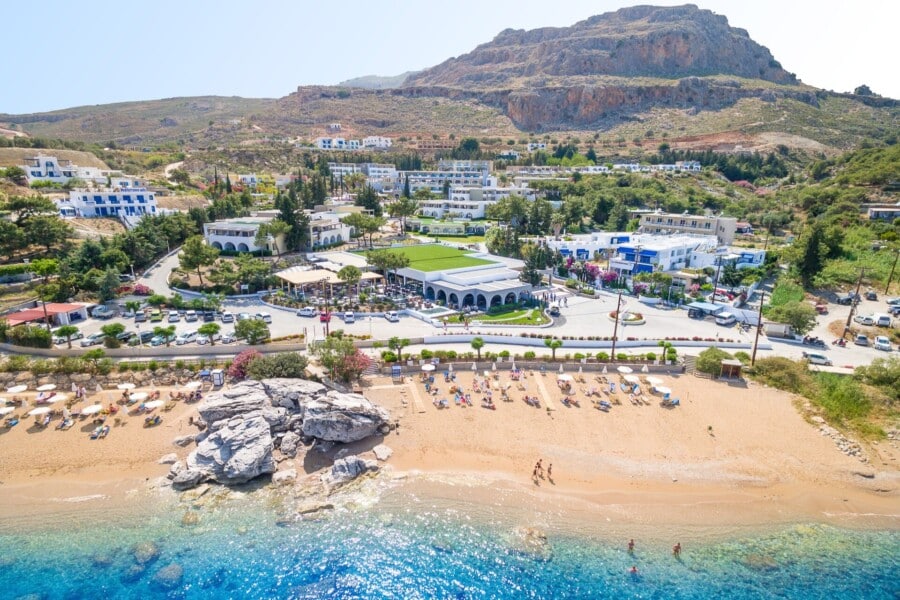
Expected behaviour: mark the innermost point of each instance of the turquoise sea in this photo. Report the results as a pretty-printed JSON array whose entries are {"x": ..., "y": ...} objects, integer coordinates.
[{"x": 408, "y": 547}]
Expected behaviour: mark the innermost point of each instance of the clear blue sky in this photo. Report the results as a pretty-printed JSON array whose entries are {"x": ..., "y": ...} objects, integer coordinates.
[{"x": 62, "y": 54}]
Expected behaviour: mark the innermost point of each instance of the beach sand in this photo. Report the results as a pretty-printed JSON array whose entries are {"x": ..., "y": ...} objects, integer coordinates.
[{"x": 729, "y": 455}]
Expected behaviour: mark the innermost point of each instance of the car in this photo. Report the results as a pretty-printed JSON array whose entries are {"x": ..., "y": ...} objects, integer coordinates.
[
  {"x": 392, "y": 316},
  {"x": 883, "y": 343},
  {"x": 725, "y": 319},
  {"x": 694, "y": 313},
  {"x": 156, "y": 315},
  {"x": 895, "y": 310},
  {"x": 861, "y": 340},
  {"x": 719, "y": 298},
  {"x": 882, "y": 320},
  {"x": 816, "y": 358},
  {"x": 174, "y": 317},
  {"x": 324, "y": 317},
  {"x": 205, "y": 339},
  {"x": 554, "y": 309},
  {"x": 307, "y": 311},
  {"x": 349, "y": 317},
  {"x": 140, "y": 317},
  {"x": 848, "y": 299},
  {"x": 264, "y": 317},
  {"x": 893, "y": 301},
  {"x": 185, "y": 338},
  {"x": 158, "y": 340},
  {"x": 190, "y": 316},
  {"x": 125, "y": 336},
  {"x": 208, "y": 316},
  {"x": 864, "y": 319},
  {"x": 92, "y": 340},
  {"x": 61, "y": 339},
  {"x": 227, "y": 317},
  {"x": 724, "y": 292},
  {"x": 871, "y": 295},
  {"x": 244, "y": 316},
  {"x": 229, "y": 338},
  {"x": 103, "y": 312},
  {"x": 143, "y": 337}
]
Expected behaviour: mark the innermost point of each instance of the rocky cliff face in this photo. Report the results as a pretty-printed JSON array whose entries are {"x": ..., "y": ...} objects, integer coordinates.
[{"x": 641, "y": 41}]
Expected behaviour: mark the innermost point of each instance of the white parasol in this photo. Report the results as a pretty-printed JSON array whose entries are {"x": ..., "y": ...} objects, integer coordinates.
[
  {"x": 663, "y": 390},
  {"x": 632, "y": 379},
  {"x": 494, "y": 367},
  {"x": 40, "y": 410},
  {"x": 92, "y": 409},
  {"x": 645, "y": 369},
  {"x": 47, "y": 387},
  {"x": 624, "y": 370},
  {"x": 605, "y": 371},
  {"x": 564, "y": 377},
  {"x": 154, "y": 404},
  {"x": 474, "y": 367},
  {"x": 74, "y": 387},
  {"x": 653, "y": 380},
  {"x": 55, "y": 398},
  {"x": 6, "y": 410},
  {"x": 450, "y": 368},
  {"x": 193, "y": 385},
  {"x": 99, "y": 388},
  {"x": 17, "y": 389},
  {"x": 580, "y": 370},
  {"x": 140, "y": 396},
  {"x": 428, "y": 367},
  {"x": 513, "y": 367},
  {"x": 561, "y": 370},
  {"x": 126, "y": 386}
]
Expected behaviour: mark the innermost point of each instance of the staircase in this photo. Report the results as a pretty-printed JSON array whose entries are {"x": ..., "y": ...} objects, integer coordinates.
[
  {"x": 690, "y": 364},
  {"x": 372, "y": 369}
]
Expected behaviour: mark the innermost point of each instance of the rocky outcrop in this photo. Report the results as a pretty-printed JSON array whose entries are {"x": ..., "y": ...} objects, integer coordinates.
[
  {"x": 347, "y": 469},
  {"x": 245, "y": 420}
]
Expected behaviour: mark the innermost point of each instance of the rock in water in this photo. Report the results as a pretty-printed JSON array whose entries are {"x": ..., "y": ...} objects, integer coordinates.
[
  {"x": 186, "y": 479},
  {"x": 345, "y": 418},
  {"x": 348, "y": 469},
  {"x": 169, "y": 577},
  {"x": 235, "y": 453},
  {"x": 145, "y": 552},
  {"x": 190, "y": 519},
  {"x": 382, "y": 452}
]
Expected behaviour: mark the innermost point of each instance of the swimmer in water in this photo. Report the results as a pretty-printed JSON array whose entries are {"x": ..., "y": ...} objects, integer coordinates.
[{"x": 631, "y": 547}]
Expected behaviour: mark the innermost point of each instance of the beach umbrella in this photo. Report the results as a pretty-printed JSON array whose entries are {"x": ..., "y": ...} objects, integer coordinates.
[
  {"x": 474, "y": 367},
  {"x": 154, "y": 404},
  {"x": 192, "y": 385},
  {"x": 580, "y": 370},
  {"x": 140, "y": 396},
  {"x": 631, "y": 379},
  {"x": 645, "y": 369},
  {"x": 428, "y": 367},
  {"x": 47, "y": 387},
  {"x": 74, "y": 387},
  {"x": 99, "y": 388},
  {"x": 17, "y": 389},
  {"x": 125, "y": 386},
  {"x": 561, "y": 369},
  {"x": 5, "y": 410},
  {"x": 564, "y": 377},
  {"x": 450, "y": 368},
  {"x": 92, "y": 409},
  {"x": 663, "y": 390},
  {"x": 653, "y": 380},
  {"x": 56, "y": 398},
  {"x": 513, "y": 367},
  {"x": 40, "y": 410},
  {"x": 624, "y": 370},
  {"x": 494, "y": 367},
  {"x": 605, "y": 371}
]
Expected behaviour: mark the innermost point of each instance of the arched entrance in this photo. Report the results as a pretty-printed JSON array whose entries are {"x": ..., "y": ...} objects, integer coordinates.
[
  {"x": 510, "y": 298},
  {"x": 242, "y": 247},
  {"x": 468, "y": 300},
  {"x": 217, "y": 245},
  {"x": 496, "y": 300},
  {"x": 481, "y": 302},
  {"x": 442, "y": 296},
  {"x": 429, "y": 293},
  {"x": 454, "y": 300},
  {"x": 229, "y": 247}
]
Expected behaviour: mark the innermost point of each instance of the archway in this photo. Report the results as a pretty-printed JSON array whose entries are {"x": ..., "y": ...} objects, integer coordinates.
[
  {"x": 481, "y": 301},
  {"x": 229, "y": 247},
  {"x": 453, "y": 301},
  {"x": 429, "y": 293},
  {"x": 442, "y": 296},
  {"x": 468, "y": 300},
  {"x": 242, "y": 247},
  {"x": 496, "y": 300},
  {"x": 510, "y": 298},
  {"x": 217, "y": 245}
]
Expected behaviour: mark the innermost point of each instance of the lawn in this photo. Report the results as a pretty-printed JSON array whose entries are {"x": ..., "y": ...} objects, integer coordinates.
[
  {"x": 785, "y": 292},
  {"x": 433, "y": 257},
  {"x": 459, "y": 239}
]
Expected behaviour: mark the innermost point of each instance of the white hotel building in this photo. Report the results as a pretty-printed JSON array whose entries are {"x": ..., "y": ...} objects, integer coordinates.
[
  {"x": 127, "y": 199},
  {"x": 52, "y": 169}
]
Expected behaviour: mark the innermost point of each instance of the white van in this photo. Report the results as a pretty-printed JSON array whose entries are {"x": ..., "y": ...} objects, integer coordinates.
[
  {"x": 392, "y": 316},
  {"x": 815, "y": 358},
  {"x": 348, "y": 317},
  {"x": 725, "y": 318},
  {"x": 882, "y": 320}
]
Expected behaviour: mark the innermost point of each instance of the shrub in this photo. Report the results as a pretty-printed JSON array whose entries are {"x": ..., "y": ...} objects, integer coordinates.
[
  {"x": 29, "y": 335},
  {"x": 283, "y": 364},
  {"x": 603, "y": 356},
  {"x": 841, "y": 397},
  {"x": 16, "y": 362},
  {"x": 783, "y": 373},
  {"x": 710, "y": 360},
  {"x": 388, "y": 356},
  {"x": 651, "y": 356},
  {"x": 153, "y": 365},
  {"x": 238, "y": 368},
  {"x": 742, "y": 356},
  {"x": 179, "y": 364},
  {"x": 503, "y": 354},
  {"x": 105, "y": 366},
  {"x": 41, "y": 366},
  {"x": 621, "y": 356},
  {"x": 451, "y": 354},
  {"x": 124, "y": 367},
  {"x": 68, "y": 365},
  {"x": 427, "y": 354},
  {"x": 579, "y": 356},
  {"x": 529, "y": 355}
]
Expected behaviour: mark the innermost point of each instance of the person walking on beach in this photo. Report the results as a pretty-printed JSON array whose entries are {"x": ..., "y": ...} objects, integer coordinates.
[
  {"x": 550, "y": 472},
  {"x": 539, "y": 468},
  {"x": 631, "y": 546},
  {"x": 676, "y": 549}
]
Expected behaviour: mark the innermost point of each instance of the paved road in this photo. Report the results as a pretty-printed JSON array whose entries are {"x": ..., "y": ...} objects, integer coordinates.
[{"x": 581, "y": 317}]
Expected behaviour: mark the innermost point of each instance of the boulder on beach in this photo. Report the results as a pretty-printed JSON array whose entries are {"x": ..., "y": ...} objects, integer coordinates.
[
  {"x": 347, "y": 469},
  {"x": 344, "y": 418},
  {"x": 237, "y": 452},
  {"x": 289, "y": 443}
]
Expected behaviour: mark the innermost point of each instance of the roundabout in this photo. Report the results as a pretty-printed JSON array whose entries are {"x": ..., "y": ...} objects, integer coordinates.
[{"x": 626, "y": 318}]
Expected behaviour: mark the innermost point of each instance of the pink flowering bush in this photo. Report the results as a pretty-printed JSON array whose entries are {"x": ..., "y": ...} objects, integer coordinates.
[{"x": 238, "y": 368}]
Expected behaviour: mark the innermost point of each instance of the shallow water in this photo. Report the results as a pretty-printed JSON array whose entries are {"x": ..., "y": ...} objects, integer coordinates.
[{"x": 407, "y": 547}]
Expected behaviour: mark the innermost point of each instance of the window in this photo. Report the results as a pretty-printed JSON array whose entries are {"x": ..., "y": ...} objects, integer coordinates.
[
  {"x": 98, "y": 199},
  {"x": 140, "y": 198},
  {"x": 126, "y": 199}
]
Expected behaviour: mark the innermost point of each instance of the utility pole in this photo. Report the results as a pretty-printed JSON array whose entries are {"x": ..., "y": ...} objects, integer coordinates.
[
  {"x": 891, "y": 276},
  {"x": 616, "y": 326},
  {"x": 758, "y": 329},
  {"x": 853, "y": 302}
]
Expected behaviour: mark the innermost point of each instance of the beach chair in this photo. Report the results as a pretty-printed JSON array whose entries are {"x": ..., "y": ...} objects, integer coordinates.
[
  {"x": 671, "y": 402},
  {"x": 96, "y": 432},
  {"x": 456, "y": 400},
  {"x": 604, "y": 405}
]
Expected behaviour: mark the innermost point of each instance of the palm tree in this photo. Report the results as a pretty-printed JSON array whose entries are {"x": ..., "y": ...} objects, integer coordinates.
[
  {"x": 133, "y": 306},
  {"x": 166, "y": 333},
  {"x": 553, "y": 344},
  {"x": 477, "y": 345},
  {"x": 67, "y": 331}
]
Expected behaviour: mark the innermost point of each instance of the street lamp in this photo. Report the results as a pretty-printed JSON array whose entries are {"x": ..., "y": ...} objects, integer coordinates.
[{"x": 616, "y": 326}]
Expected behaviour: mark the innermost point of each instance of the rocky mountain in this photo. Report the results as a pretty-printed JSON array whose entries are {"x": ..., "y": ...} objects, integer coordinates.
[
  {"x": 378, "y": 82},
  {"x": 641, "y": 41}
]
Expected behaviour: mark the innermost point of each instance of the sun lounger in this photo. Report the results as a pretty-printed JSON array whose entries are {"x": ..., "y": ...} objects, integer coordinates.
[
  {"x": 456, "y": 400},
  {"x": 96, "y": 432},
  {"x": 671, "y": 402},
  {"x": 12, "y": 421}
]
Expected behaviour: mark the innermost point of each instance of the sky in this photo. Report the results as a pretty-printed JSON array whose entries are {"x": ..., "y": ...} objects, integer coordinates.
[{"x": 60, "y": 54}]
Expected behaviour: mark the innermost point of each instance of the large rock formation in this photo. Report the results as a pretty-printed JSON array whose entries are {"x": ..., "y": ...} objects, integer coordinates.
[{"x": 244, "y": 422}]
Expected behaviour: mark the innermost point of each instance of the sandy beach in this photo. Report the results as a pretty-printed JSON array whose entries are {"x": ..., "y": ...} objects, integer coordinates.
[{"x": 727, "y": 455}]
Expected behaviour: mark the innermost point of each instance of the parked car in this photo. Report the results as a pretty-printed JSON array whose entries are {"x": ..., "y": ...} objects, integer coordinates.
[
  {"x": 229, "y": 338},
  {"x": 725, "y": 319},
  {"x": 204, "y": 339},
  {"x": 244, "y": 316},
  {"x": 861, "y": 340},
  {"x": 324, "y": 317},
  {"x": 883, "y": 343},
  {"x": 125, "y": 336},
  {"x": 185, "y": 338},
  {"x": 190, "y": 316},
  {"x": 719, "y": 298},
  {"x": 864, "y": 319},
  {"x": 143, "y": 337},
  {"x": 156, "y": 316},
  {"x": 815, "y": 358},
  {"x": 264, "y": 317},
  {"x": 349, "y": 317},
  {"x": 209, "y": 316},
  {"x": 895, "y": 310},
  {"x": 61, "y": 339},
  {"x": 871, "y": 295},
  {"x": 92, "y": 340},
  {"x": 227, "y": 317},
  {"x": 140, "y": 317},
  {"x": 392, "y": 316},
  {"x": 882, "y": 320},
  {"x": 307, "y": 311},
  {"x": 158, "y": 340},
  {"x": 893, "y": 301},
  {"x": 174, "y": 317},
  {"x": 848, "y": 299},
  {"x": 103, "y": 312}
]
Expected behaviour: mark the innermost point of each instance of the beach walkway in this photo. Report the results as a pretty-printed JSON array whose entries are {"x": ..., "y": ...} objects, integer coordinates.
[
  {"x": 545, "y": 397},
  {"x": 417, "y": 400}
]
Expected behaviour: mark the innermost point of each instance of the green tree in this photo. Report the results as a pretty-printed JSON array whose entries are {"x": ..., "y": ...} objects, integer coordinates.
[
  {"x": 67, "y": 331},
  {"x": 133, "y": 306},
  {"x": 350, "y": 275},
  {"x": 275, "y": 228},
  {"x": 107, "y": 285},
  {"x": 283, "y": 364},
  {"x": 809, "y": 253},
  {"x": 368, "y": 199},
  {"x": 710, "y": 361},
  {"x": 477, "y": 344},
  {"x": 12, "y": 238},
  {"x": 165, "y": 332},
  {"x": 110, "y": 331},
  {"x": 17, "y": 175},
  {"x": 47, "y": 231},
  {"x": 799, "y": 315},
  {"x": 26, "y": 208},
  {"x": 255, "y": 331},
  {"x": 397, "y": 344},
  {"x": 402, "y": 209},
  {"x": 182, "y": 177},
  {"x": 196, "y": 254},
  {"x": 553, "y": 344},
  {"x": 618, "y": 218},
  {"x": 333, "y": 353},
  {"x": 210, "y": 329}
]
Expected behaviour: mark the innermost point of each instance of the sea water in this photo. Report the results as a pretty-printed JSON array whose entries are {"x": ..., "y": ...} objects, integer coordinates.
[{"x": 404, "y": 547}]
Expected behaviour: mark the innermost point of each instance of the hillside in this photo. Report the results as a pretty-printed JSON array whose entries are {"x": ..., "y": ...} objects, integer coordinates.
[
  {"x": 13, "y": 157},
  {"x": 378, "y": 82}
]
